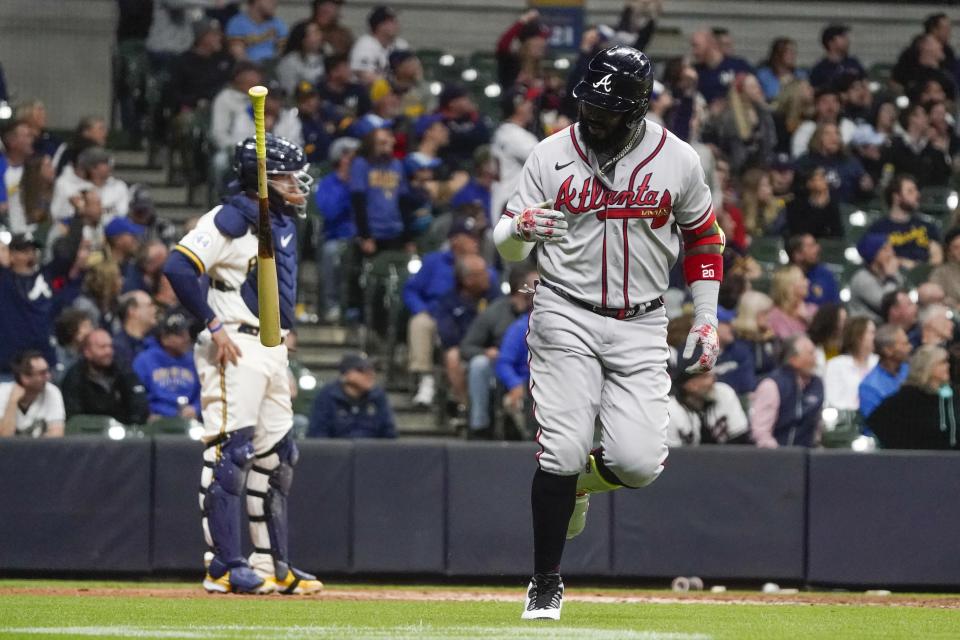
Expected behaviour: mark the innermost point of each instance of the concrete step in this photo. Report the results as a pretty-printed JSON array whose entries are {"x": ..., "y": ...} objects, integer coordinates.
[
  {"x": 324, "y": 335},
  {"x": 167, "y": 195},
  {"x": 179, "y": 213},
  {"x": 123, "y": 158},
  {"x": 142, "y": 175}
]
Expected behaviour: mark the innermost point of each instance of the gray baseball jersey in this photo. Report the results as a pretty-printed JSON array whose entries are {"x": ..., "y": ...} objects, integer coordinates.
[{"x": 624, "y": 232}]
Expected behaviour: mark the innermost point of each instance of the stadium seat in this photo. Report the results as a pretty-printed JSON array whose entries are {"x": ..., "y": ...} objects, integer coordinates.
[
  {"x": 766, "y": 251},
  {"x": 938, "y": 201},
  {"x": 846, "y": 429},
  {"x": 96, "y": 425},
  {"x": 833, "y": 250},
  {"x": 172, "y": 426}
]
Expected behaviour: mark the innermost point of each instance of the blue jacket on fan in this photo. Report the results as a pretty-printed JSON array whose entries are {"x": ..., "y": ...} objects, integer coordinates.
[
  {"x": 337, "y": 415},
  {"x": 799, "y": 415},
  {"x": 513, "y": 364},
  {"x": 167, "y": 379}
]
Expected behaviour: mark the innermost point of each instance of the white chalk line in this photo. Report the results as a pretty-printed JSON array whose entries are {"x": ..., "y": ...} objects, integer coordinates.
[{"x": 534, "y": 630}]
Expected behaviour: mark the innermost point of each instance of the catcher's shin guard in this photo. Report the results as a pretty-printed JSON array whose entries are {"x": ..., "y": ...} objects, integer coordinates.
[
  {"x": 226, "y": 462},
  {"x": 268, "y": 486}
]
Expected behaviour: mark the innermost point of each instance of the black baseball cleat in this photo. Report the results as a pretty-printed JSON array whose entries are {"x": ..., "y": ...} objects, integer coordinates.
[{"x": 544, "y": 597}]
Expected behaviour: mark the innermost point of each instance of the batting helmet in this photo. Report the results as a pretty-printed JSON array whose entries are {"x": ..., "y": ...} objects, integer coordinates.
[
  {"x": 618, "y": 79},
  {"x": 283, "y": 158}
]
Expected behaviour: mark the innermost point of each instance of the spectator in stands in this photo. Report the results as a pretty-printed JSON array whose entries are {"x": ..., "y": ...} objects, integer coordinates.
[
  {"x": 454, "y": 312},
  {"x": 31, "y": 405},
  {"x": 914, "y": 153},
  {"x": 753, "y": 332},
  {"x": 844, "y": 373},
  {"x": 406, "y": 79},
  {"x": 943, "y": 133},
  {"x": 782, "y": 176},
  {"x": 922, "y": 413},
  {"x": 432, "y": 137},
  {"x": 878, "y": 276},
  {"x": 302, "y": 60},
  {"x": 856, "y": 101},
  {"x": 520, "y": 51},
  {"x": 908, "y": 67},
  {"x": 343, "y": 99},
  {"x": 142, "y": 211},
  {"x": 332, "y": 197},
  {"x": 893, "y": 349},
  {"x": 26, "y": 296},
  {"x": 97, "y": 385},
  {"x": 928, "y": 67},
  {"x": 936, "y": 325},
  {"x": 847, "y": 178},
  {"x": 197, "y": 75},
  {"x": 70, "y": 330},
  {"x": 793, "y": 108},
  {"x": 826, "y": 108},
  {"x": 384, "y": 110},
  {"x": 715, "y": 71},
  {"x": 780, "y": 68},
  {"x": 124, "y": 239},
  {"x": 898, "y": 308},
  {"x": 705, "y": 411},
  {"x": 837, "y": 59},
  {"x": 478, "y": 191},
  {"x": 171, "y": 30},
  {"x": 813, "y": 209},
  {"x": 257, "y": 34},
  {"x": 353, "y": 406},
  {"x": 91, "y": 131},
  {"x": 513, "y": 367},
  {"x": 826, "y": 333},
  {"x": 735, "y": 366},
  {"x": 468, "y": 129},
  {"x": 17, "y": 139},
  {"x": 147, "y": 270},
  {"x": 480, "y": 347},
  {"x": 757, "y": 204},
  {"x": 744, "y": 131},
  {"x": 785, "y": 408},
  {"x": 376, "y": 183},
  {"x": 512, "y": 144},
  {"x": 168, "y": 373},
  {"x": 102, "y": 285},
  {"x": 947, "y": 275},
  {"x": 868, "y": 146},
  {"x": 790, "y": 314},
  {"x": 914, "y": 240},
  {"x": 803, "y": 250},
  {"x": 337, "y": 39},
  {"x": 314, "y": 128},
  {"x": 137, "y": 313},
  {"x": 94, "y": 171},
  {"x": 369, "y": 57},
  {"x": 422, "y": 294},
  {"x": 230, "y": 119},
  {"x": 36, "y": 189},
  {"x": 34, "y": 114}
]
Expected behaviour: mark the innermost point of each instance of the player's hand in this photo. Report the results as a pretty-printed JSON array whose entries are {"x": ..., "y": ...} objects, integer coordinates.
[
  {"x": 703, "y": 335},
  {"x": 227, "y": 349},
  {"x": 540, "y": 223}
]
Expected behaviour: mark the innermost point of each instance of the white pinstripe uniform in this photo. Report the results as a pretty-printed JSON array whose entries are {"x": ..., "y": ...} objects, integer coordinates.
[
  {"x": 255, "y": 392},
  {"x": 624, "y": 237}
]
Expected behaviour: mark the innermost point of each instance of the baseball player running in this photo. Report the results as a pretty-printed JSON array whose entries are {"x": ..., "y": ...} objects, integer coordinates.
[
  {"x": 607, "y": 203},
  {"x": 247, "y": 411}
]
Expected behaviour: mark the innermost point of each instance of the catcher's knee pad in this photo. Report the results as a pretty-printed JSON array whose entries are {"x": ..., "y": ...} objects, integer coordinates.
[
  {"x": 227, "y": 462},
  {"x": 268, "y": 486}
]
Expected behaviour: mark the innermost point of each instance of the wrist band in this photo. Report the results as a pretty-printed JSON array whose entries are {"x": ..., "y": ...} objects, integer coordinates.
[{"x": 216, "y": 327}]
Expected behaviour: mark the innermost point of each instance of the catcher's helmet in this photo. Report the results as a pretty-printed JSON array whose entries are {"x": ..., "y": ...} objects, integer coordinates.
[
  {"x": 618, "y": 79},
  {"x": 283, "y": 158}
]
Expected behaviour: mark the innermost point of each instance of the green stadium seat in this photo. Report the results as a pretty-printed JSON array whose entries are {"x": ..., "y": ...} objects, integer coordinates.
[
  {"x": 938, "y": 201},
  {"x": 846, "y": 429},
  {"x": 766, "y": 251},
  {"x": 303, "y": 403},
  {"x": 169, "y": 426},
  {"x": 833, "y": 251},
  {"x": 96, "y": 425}
]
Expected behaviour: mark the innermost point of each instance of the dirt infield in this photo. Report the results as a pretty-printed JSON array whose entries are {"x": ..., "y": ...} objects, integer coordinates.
[{"x": 479, "y": 595}]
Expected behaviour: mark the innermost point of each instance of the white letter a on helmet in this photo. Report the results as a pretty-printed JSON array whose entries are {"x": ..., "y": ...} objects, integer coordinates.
[{"x": 604, "y": 82}]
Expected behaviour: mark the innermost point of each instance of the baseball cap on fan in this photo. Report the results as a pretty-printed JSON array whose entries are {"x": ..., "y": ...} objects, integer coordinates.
[
  {"x": 174, "y": 323},
  {"x": 24, "y": 241},
  {"x": 355, "y": 362},
  {"x": 379, "y": 15},
  {"x": 832, "y": 31}
]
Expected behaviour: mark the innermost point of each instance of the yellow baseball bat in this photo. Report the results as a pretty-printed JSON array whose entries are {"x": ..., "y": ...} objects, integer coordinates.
[{"x": 267, "y": 294}]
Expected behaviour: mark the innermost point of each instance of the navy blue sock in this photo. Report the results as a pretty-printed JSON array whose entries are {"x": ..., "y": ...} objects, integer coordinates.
[{"x": 552, "y": 498}]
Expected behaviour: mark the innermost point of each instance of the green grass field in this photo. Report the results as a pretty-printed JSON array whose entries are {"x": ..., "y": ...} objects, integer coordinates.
[{"x": 59, "y": 609}]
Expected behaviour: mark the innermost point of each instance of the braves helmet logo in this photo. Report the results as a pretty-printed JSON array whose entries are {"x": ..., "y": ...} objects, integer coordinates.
[{"x": 604, "y": 83}]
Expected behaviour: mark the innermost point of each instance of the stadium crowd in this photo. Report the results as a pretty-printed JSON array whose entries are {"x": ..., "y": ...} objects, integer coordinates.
[{"x": 833, "y": 185}]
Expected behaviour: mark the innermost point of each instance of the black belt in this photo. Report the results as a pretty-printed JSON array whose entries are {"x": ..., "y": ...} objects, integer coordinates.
[
  {"x": 220, "y": 285},
  {"x": 248, "y": 329},
  {"x": 619, "y": 314}
]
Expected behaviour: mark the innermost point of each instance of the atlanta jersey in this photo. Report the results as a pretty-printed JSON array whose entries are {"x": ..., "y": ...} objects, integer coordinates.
[{"x": 624, "y": 228}]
